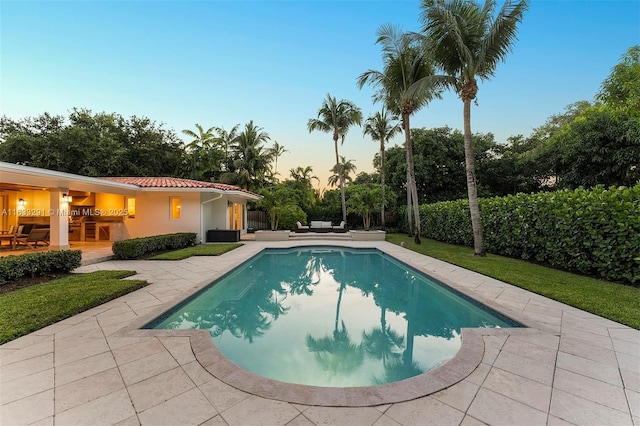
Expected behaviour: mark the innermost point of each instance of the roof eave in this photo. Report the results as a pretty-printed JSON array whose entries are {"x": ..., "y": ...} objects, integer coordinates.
[
  {"x": 28, "y": 175},
  {"x": 200, "y": 190}
]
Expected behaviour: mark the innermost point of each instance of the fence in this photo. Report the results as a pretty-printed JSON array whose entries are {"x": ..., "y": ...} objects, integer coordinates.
[{"x": 257, "y": 219}]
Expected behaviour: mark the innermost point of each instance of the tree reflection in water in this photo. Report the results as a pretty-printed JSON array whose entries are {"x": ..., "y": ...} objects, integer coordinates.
[
  {"x": 336, "y": 354},
  {"x": 270, "y": 287}
]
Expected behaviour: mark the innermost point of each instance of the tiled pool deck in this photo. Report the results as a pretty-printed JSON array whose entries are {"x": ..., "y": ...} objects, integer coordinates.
[{"x": 568, "y": 367}]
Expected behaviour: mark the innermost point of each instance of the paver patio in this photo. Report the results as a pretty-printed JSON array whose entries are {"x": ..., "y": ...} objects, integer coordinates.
[{"x": 568, "y": 367}]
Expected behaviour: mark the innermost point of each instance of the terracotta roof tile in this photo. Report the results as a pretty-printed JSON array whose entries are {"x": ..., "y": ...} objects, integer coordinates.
[{"x": 170, "y": 182}]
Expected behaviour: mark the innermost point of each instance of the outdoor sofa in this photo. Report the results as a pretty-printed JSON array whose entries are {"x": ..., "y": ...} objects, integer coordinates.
[{"x": 321, "y": 226}]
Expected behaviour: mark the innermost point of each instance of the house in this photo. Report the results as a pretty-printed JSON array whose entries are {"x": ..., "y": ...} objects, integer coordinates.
[{"x": 81, "y": 208}]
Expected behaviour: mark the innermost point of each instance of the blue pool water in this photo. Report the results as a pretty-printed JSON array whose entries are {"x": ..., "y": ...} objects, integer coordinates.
[{"x": 331, "y": 316}]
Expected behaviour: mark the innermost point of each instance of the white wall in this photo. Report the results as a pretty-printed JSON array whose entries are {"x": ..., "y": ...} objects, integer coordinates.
[
  {"x": 153, "y": 214},
  {"x": 215, "y": 212}
]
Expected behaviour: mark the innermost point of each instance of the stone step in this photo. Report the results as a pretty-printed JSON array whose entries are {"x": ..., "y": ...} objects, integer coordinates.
[{"x": 320, "y": 236}]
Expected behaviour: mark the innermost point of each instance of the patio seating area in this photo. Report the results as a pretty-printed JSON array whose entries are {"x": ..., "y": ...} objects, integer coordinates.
[
  {"x": 24, "y": 235},
  {"x": 321, "y": 227},
  {"x": 568, "y": 367}
]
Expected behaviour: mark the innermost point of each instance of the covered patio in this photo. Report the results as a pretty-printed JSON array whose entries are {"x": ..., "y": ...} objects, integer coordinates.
[{"x": 77, "y": 208}]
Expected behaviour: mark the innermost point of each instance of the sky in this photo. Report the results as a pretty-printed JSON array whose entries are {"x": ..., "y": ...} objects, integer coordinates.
[{"x": 222, "y": 63}]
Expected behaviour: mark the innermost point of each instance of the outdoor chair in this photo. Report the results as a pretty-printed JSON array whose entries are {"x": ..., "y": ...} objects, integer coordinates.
[
  {"x": 340, "y": 228},
  {"x": 35, "y": 236},
  {"x": 301, "y": 228}
]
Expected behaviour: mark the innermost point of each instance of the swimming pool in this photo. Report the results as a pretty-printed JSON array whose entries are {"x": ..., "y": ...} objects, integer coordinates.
[{"x": 331, "y": 317}]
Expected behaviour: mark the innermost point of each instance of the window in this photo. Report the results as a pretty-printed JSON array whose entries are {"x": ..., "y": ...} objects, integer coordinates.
[
  {"x": 175, "y": 207},
  {"x": 130, "y": 206}
]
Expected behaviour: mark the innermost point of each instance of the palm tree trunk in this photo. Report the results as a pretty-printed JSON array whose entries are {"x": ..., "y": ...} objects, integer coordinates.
[
  {"x": 407, "y": 142},
  {"x": 335, "y": 326},
  {"x": 342, "y": 196},
  {"x": 343, "y": 199},
  {"x": 472, "y": 190},
  {"x": 412, "y": 183},
  {"x": 382, "y": 218}
]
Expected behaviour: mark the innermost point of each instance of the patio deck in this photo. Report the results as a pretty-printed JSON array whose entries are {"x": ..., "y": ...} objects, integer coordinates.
[
  {"x": 92, "y": 252},
  {"x": 569, "y": 367}
]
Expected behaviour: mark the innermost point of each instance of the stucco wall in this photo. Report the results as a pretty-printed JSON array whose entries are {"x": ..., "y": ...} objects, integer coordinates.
[
  {"x": 214, "y": 212},
  {"x": 110, "y": 204},
  {"x": 153, "y": 214}
]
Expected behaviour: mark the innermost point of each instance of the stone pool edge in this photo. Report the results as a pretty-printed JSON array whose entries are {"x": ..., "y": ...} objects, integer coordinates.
[{"x": 466, "y": 360}]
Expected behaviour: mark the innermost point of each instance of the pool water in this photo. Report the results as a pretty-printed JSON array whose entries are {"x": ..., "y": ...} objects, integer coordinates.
[{"x": 331, "y": 316}]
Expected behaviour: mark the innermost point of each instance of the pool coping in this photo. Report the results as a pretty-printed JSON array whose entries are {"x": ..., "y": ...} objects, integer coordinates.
[{"x": 466, "y": 360}]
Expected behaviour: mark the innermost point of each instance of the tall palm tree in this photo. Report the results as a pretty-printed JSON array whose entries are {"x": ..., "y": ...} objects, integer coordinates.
[
  {"x": 380, "y": 128},
  {"x": 276, "y": 152},
  {"x": 336, "y": 117},
  {"x": 469, "y": 40},
  {"x": 406, "y": 84}
]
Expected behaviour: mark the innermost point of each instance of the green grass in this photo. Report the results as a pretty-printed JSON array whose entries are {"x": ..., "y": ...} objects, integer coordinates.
[
  {"x": 32, "y": 308},
  {"x": 617, "y": 302},
  {"x": 201, "y": 250}
]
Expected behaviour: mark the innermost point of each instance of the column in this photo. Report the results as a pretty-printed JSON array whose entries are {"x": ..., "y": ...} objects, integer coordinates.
[{"x": 58, "y": 220}]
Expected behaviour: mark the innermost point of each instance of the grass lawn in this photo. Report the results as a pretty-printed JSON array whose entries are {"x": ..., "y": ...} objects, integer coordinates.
[
  {"x": 617, "y": 302},
  {"x": 29, "y": 309},
  {"x": 200, "y": 250}
]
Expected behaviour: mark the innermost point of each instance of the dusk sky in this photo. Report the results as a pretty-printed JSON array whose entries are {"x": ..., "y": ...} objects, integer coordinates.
[{"x": 221, "y": 63}]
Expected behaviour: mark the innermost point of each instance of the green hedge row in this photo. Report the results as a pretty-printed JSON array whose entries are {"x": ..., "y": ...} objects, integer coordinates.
[
  {"x": 136, "y": 248},
  {"x": 13, "y": 268},
  {"x": 595, "y": 232}
]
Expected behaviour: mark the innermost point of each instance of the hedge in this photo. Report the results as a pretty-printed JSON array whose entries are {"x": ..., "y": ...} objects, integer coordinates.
[
  {"x": 136, "y": 248},
  {"x": 16, "y": 267},
  {"x": 594, "y": 232}
]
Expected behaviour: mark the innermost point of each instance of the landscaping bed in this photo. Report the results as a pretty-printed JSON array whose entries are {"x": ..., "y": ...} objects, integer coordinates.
[{"x": 201, "y": 250}]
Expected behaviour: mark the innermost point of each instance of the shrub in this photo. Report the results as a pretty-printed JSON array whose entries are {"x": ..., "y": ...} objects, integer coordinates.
[
  {"x": 291, "y": 214},
  {"x": 595, "y": 232},
  {"x": 13, "y": 268},
  {"x": 136, "y": 248}
]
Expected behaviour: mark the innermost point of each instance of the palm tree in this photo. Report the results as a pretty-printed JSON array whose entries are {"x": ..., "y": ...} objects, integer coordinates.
[
  {"x": 202, "y": 152},
  {"x": 276, "y": 152},
  {"x": 227, "y": 139},
  {"x": 341, "y": 173},
  {"x": 251, "y": 160},
  {"x": 336, "y": 117},
  {"x": 380, "y": 129},
  {"x": 406, "y": 84},
  {"x": 469, "y": 40},
  {"x": 303, "y": 175},
  {"x": 301, "y": 182}
]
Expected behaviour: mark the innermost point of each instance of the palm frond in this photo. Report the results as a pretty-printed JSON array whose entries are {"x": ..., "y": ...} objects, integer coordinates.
[{"x": 500, "y": 36}]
